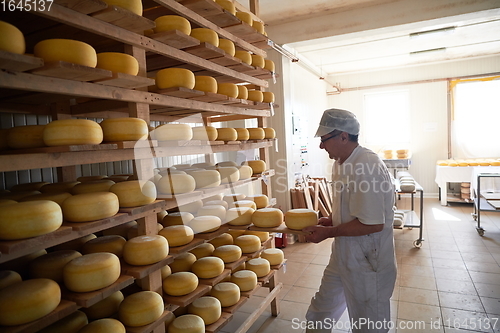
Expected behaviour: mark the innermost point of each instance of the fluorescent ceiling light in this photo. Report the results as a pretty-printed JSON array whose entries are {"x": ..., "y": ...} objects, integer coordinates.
[
  {"x": 426, "y": 52},
  {"x": 433, "y": 32}
]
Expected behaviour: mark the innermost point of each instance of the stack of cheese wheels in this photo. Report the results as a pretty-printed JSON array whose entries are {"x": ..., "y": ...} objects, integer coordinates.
[
  {"x": 268, "y": 218},
  {"x": 228, "y": 293},
  {"x": 177, "y": 235},
  {"x": 29, "y": 136},
  {"x": 243, "y": 134},
  {"x": 229, "y": 174},
  {"x": 103, "y": 325},
  {"x": 134, "y": 6},
  {"x": 71, "y": 323},
  {"x": 227, "y": 134},
  {"x": 172, "y": 22},
  {"x": 203, "y": 250},
  {"x": 256, "y": 133},
  {"x": 256, "y": 96},
  {"x": 205, "y": 35},
  {"x": 133, "y": 193},
  {"x": 72, "y": 132},
  {"x": 245, "y": 279},
  {"x": 141, "y": 308},
  {"x": 180, "y": 283},
  {"x": 11, "y": 39},
  {"x": 275, "y": 256},
  {"x": 261, "y": 200},
  {"x": 90, "y": 206},
  {"x": 175, "y": 78},
  {"x": 246, "y": 172},
  {"x": 227, "y": 46},
  {"x": 270, "y": 133},
  {"x": 207, "y": 307},
  {"x": 106, "y": 307},
  {"x": 206, "y": 178},
  {"x": 145, "y": 250},
  {"x": 29, "y": 219},
  {"x": 207, "y": 223},
  {"x": 50, "y": 265},
  {"x": 8, "y": 277},
  {"x": 269, "y": 65},
  {"x": 91, "y": 272},
  {"x": 102, "y": 185},
  {"x": 259, "y": 266},
  {"x": 56, "y": 197},
  {"x": 257, "y": 61},
  {"x": 176, "y": 184},
  {"x": 118, "y": 62},
  {"x": 124, "y": 129},
  {"x": 175, "y": 132},
  {"x": 227, "y": 89},
  {"x": 177, "y": 218},
  {"x": 299, "y": 218},
  {"x": 182, "y": 262},
  {"x": 403, "y": 153},
  {"x": 228, "y": 253},
  {"x": 248, "y": 243},
  {"x": 205, "y": 83},
  {"x": 204, "y": 133},
  {"x": 28, "y": 301},
  {"x": 244, "y": 56},
  {"x": 187, "y": 323},
  {"x": 242, "y": 92},
  {"x": 208, "y": 267},
  {"x": 398, "y": 218},
  {"x": 258, "y": 166},
  {"x": 223, "y": 239},
  {"x": 239, "y": 215},
  {"x": 268, "y": 97},
  {"x": 68, "y": 50},
  {"x": 244, "y": 203},
  {"x": 388, "y": 154}
]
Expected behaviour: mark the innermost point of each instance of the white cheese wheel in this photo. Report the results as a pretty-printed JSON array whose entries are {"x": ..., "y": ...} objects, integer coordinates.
[
  {"x": 58, "y": 198},
  {"x": 228, "y": 253},
  {"x": 227, "y": 46},
  {"x": 228, "y": 89},
  {"x": 8, "y": 277},
  {"x": 255, "y": 95},
  {"x": 72, "y": 132},
  {"x": 205, "y": 35},
  {"x": 259, "y": 266},
  {"x": 29, "y": 219},
  {"x": 273, "y": 255},
  {"x": 191, "y": 207},
  {"x": 270, "y": 133},
  {"x": 258, "y": 166},
  {"x": 187, "y": 323},
  {"x": 263, "y": 235},
  {"x": 245, "y": 17},
  {"x": 172, "y": 22},
  {"x": 223, "y": 239},
  {"x": 106, "y": 307},
  {"x": 102, "y": 185},
  {"x": 68, "y": 50},
  {"x": 29, "y": 136},
  {"x": 228, "y": 174},
  {"x": 133, "y": 193},
  {"x": 206, "y": 178},
  {"x": 91, "y": 272},
  {"x": 183, "y": 262},
  {"x": 206, "y": 223},
  {"x": 207, "y": 307},
  {"x": 28, "y": 300},
  {"x": 118, "y": 62},
  {"x": 244, "y": 56},
  {"x": 239, "y": 215},
  {"x": 69, "y": 324},
  {"x": 175, "y": 132},
  {"x": 205, "y": 133},
  {"x": 244, "y": 203},
  {"x": 11, "y": 38},
  {"x": 261, "y": 200},
  {"x": 176, "y": 184},
  {"x": 267, "y": 97},
  {"x": 243, "y": 134},
  {"x": 141, "y": 308},
  {"x": 228, "y": 293},
  {"x": 177, "y": 235},
  {"x": 299, "y": 218},
  {"x": 177, "y": 218},
  {"x": 258, "y": 61},
  {"x": 145, "y": 250},
  {"x": 217, "y": 203},
  {"x": 58, "y": 187},
  {"x": 104, "y": 325},
  {"x": 248, "y": 243},
  {"x": 51, "y": 265},
  {"x": 246, "y": 172},
  {"x": 124, "y": 129},
  {"x": 180, "y": 283},
  {"x": 90, "y": 206},
  {"x": 269, "y": 65},
  {"x": 205, "y": 83},
  {"x": 203, "y": 250},
  {"x": 174, "y": 78},
  {"x": 245, "y": 279},
  {"x": 242, "y": 92},
  {"x": 135, "y": 6},
  {"x": 208, "y": 267},
  {"x": 267, "y": 217}
]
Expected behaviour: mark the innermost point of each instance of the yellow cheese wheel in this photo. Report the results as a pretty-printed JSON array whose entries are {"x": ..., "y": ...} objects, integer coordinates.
[
  {"x": 32, "y": 218},
  {"x": 175, "y": 77},
  {"x": 270, "y": 133},
  {"x": 203, "y": 250},
  {"x": 227, "y": 134},
  {"x": 208, "y": 223},
  {"x": 134, "y": 193},
  {"x": 273, "y": 255},
  {"x": 183, "y": 262},
  {"x": 227, "y": 46},
  {"x": 245, "y": 17},
  {"x": 145, "y": 250},
  {"x": 246, "y": 172},
  {"x": 191, "y": 207},
  {"x": 172, "y": 22},
  {"x": 228, "y": 174},
  {"x": 104, "y": 325},
  {"x": 263, "y": 235},
  {"x": 261, "y": 200},
  {"x": 245, "y": 279},
  {"x": 11, "y": 39},
  {"x": 70, "y": 324},
  {"x": 228, "y": 89},
  {"x": 223, "y": 239},
  {"x": 239, "y": 215},
  {"x": 102, "y": 185},
  {"x": 58, "y": 198},
  {"x": 259, "y": 266},
  {"x": 124, "y": 129},
  {"x": 90, "y": 206},
  {"x": 207, "y": 307},
  {"x": 256, "y": 133},
  {"x": 187, "y": 323},
  {"x": 135, "y": 6},
  {"x": 72, "y": 132},
  {"x": 227, "y": 5},
  {"x": 244, "y": 203},
  {"x": 205, "y": 83},
  {"x": 28, "y": 300},
  {"x": 176, "y": 184},
  {"x": 177, "y": 235},
  {"x": 299, "y": 218},
  {"x": 244, "y": 56},
  {"x": 29, "y": 136},
  {"x": 91, "y": 272},
  {"x": 118, "y": 62},
  {"x": 175, "y": 132},
  {"x": 206, "y": 133},
  {"x": 243, "y": 134},
  {"x": 255, "y": 95},
  {"x": 205, "y": 35},
  {"x": 50, "y": 265},
  {"x": 67, "y": 50},
  {"x": 8, "y": 277},
  {"x": 269, "y": 65},
  {"x": 180, "y": 283},
  {"x": 258, "y": 166},
  {"x": 141, "y": 308},
  {"x": 267, "y": 217},
  {"x": 242, "y": 92},
  {"x": 228, "y": 253},
  {"x": 228, "y": 293},
  {"x": 206, "y": 178},
  {"x": 267, "y": 97},
  {"x": 106, "y": 307},
  {"x": 257, "y": 61},
  {"x": 259, "y": 26},
  {"x": 248, "y": 243},
  {"x": 208, "y": 267},
  {"x": 177, "y": 218}
]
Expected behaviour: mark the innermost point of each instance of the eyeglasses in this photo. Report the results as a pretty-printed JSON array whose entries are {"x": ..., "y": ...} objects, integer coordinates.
[{"x": 330, "y": 137}]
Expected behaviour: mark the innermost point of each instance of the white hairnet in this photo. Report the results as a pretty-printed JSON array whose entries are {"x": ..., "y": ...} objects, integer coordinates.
[{"x": 336, "y": 119}]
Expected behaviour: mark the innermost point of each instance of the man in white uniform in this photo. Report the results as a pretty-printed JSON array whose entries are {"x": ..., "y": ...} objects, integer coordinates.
[{"x": 362, "y": 270}]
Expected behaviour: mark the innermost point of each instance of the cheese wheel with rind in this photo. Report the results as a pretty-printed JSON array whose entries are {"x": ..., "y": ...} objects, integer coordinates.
[
  {"x": 175, "y": 78},
  {"x": 243, "y": 134},
  {"x": 227, "y": 89},
  {"x": 68, "y": 50},
  {"x": 8, "y": 277},
  {"x": 245, "y": 17},
  {"x": 299, "y": 218},
  {"x": 263, "y": 235},
  {"x": 177, "y": 218},
  {"x": 261, "y": 200},
  {"x": 11, "y": 38},
  {"x": 223, "y": 239},
  {"x": 204, "y": 133},
  {"x": 58, "y": 198},
  {"x": 135, "y": 6},
  {"x": 51, "y": 265},
  {"x": 267, "y": 97},
  {"x": 229, "y": 174},
  {"x": 188, "y": 323},
  {"x": 182, "y": 262},
  {"x": 228, "y": 253},
  {"x": 259, "y": 26},
  {"x": 270, "y": 133},
  {"x": 246, "y": 172},
  {"x": 256, "y": 133},
  {"x": 227, "y": 46},
  {"x": 217, "y": 203},
  {"x": 242, "y": 92},
  {"x": 205, "y": 83},
  {"x": 172, "y": 22},
  {"x": 23, "y": 137},
  {"x": 133, "y": 231},
  {"x": 205, "y": 35},
  {"x": 102, "y": 185},
  {"x": 90, "y": 206},
  {"x": 267, "y": 217},
  {"x": 124, "y": 129},
  {"x": 255, "y": 95},
  {"x": 206, "y": 223},
  {"x": 244, "y": 56},
  {"x": 258, "y": 166},
  {"x": 72, "y": 132},
  {"x": 228, "y": 293},
  {"x": 248, "y": 243},
  {"x": 245, "y": 279},
  {"x": 269, "y": 65},
  {"x": 176, "y": 184},
  {"x": 141, "y": 308},
  {"x": 177, "y": 235},
  {"x": 227, "y": 134},
  {"x": 206, "y": 178},
  {"x": 104, "y": 325},
  {"x": 203, "y": 250},
  {"x": 227, "y": 5},
  {"x": 180, "y": 283},
  {"x": 244, "y": 203},
  {"x": 145, "y": 250},
  {"x": 275, "y": 256},
  {"x": 172, "y": 132},
  {"x": 207, "y": 307},
  {"x": 258, "y": 61},
  {"x": 118, "y": 62},
  {"x": 259, "y": 266},
  {"x": 208, "y": 267},
  {"x": 133, "y": 193},
  {"x": 239, "y": 215}
]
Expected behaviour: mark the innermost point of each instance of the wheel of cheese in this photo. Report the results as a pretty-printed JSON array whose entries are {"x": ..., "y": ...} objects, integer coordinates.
[
  {"x": 246, "y": 172},
  {"x": 207, "y": 307},
  {"x": 176, "y": 132},
  {"x": 102, "y": 185},
  {"x": 244, "y": 203},
  {"x": 117, "y": 62},
  {"x": 259, "y": 266},
  {"x": 231, "y": 198},
  {"x": 174, "y": 78},
  {"x": 228, "y": 253},
  {"x": 134, "y": 230},
  {"x": 68, "y": 50},
  {"x": 187, "y": 323},
  {"x": 243, "y": 134},
  {"x": 273, "y": 255},
  {"x": 227, "y": 5},
  {"x": 172, "y": 22},
  {"x": 245, "y": 279},
  {"x": 228, "y": 89},
  {"x": 248, "y": 243},
  {"x": 261, "y": 200},
  {"x": 299, "y": 218},
  {"x": 257, "y": 61},
  {"x": 263, "y": 235},
  {"x": 176, "y": 184},
  {"x": 205, "y": 35},
  {"x": 106, "y": 307},
  {"x": 91, "y": 272},
  {"x": 269, "y": 65},
  {"x": 29, "y": 136},
  {"x": 177, "y": 218},
  {"x": 145, "y": 250},
  {"x": 267, "y": 97},
  {"x": 69, "y": 324},
  {"x": 205, "y": 133},
  {"x": 183, "y": 262},
  {"x": 270, "y": 133},
  {"x": 256, "y": 133},
  {"x": 29, "y": 219},
  {"x": 58, "y": 198},
  {"x": 259, "y": 26},
  {"x": 205, "y": 83},
  {"x": 239, "y": 215},
  {"x": 268, "y": 218},
  {"x": 245, "y": 17},
  {"x": 134, "y": 193},
  {"x": 177, "y": 235},
  {"x": 18, "y": 195},
  {"x": 227, "y": 46},
  {"x": 104, "y": 325},
  {"x": 223, "y": 239},
  {"x": 90, "y": 206},
  {"x": 50, "y": 265},
  {"x": 207, "y": 223},
  {"x": 203, "y": 250},
  {"x": 28, "y": 300},
  {"x": 206, "y": 178},
  {"x": 255, "y": 95},
  {"x": 216, "y": 203},
  {"x": 11, "y": 39},
  {"x": 72, "y": 132},
  {"x": 228, "y": 174},
  {"x": 228, "y": 293},
  {"x": 58, "y": 187},
  {"x": 227, "y": 134},
  {"x": 180, "y": 283},
  {"x": 242, "y": 92},
  {"x": 124, "y": 129},
  {"x": 141, "y": 308},
  {"x": 208, "y": 267},
  {"x": 258, "y": 166},
  {"x": 8, "y": 277},
  {"x": 244, "y": 56},
  {"x": 191, "y": 207}
]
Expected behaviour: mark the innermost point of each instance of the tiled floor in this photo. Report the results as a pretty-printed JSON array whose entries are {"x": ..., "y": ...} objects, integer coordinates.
[{"x": 450, "y": 285}]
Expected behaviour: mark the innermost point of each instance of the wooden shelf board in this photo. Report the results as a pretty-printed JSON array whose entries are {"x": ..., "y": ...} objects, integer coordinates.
[
  {"x": 251, "y": 292},
  {"x": 213, "y": 281},
  {"x": 185, "y": 300},
  {"x": 223, "y": 19},
  {"x": 69, "y": 71},
  {"x": 134, "y": 144},
  {"x": 219, "y": 324},
  {"x": 175, "y": 38},
  {"x": 280, "y": 229},
  {"x": 18, "y": 62},
  {"x": 243, "y": 30},
  {"x": 202, "y": 7},
  {"x": 29, "y": 245},
  {"x": 211, "y": 235},
  {"x": 265, "y": 279},
  {"x": 226, "y": 60},
  {"x": 235, "y": 307},
  {"x": 140, "y": 272},
  {"x": 150, "y": 327},
  {"x": 155, "y": 207},
  {"x": 241, "y": 67},
  {"x": 98, "y": 225},
  {"x": 123, "y": 80},
  {"x": 233, "y": 265},
  {"x": 181, "y": 92},
  {"x": 83, "y": 6},
  {"x": 210, "y": 97},
  {"x": 124, "y": 18},
  {"x": 278, "y": 267},
  {"x": 205, "y": 51},
  {"x": 62, "y": 149},
  {"x": 184, "y": 248}
]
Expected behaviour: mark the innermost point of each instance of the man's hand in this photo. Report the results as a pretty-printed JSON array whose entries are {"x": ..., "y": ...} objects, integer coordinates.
[
  {"x": 325, "y": 221},
  {"x": 318, "y": 233}
]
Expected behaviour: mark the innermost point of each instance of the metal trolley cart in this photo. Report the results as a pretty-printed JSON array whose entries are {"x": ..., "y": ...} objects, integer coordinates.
[
  {"x": 412, "y": 220},
  {"x": 488, "y": 201}
]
